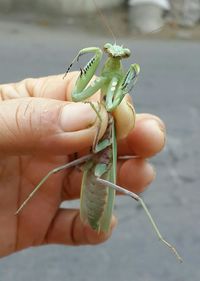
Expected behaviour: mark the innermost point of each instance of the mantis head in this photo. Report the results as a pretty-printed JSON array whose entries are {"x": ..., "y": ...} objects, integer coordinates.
[{"x": 116, "y": 51}]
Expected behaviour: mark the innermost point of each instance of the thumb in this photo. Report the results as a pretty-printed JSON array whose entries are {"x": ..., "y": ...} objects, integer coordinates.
[{"x": 30, "y": 125}]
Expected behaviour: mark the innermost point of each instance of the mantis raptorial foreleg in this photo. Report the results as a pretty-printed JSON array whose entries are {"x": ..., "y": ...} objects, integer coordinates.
[
  {"x": 97, "y": 58},
  {"x": 119, "y": 88},
  {"x": 81, "y": 92}
]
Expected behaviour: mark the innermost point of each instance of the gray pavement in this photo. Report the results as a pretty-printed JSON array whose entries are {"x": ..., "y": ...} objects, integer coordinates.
[{"x": 168, "y": 86}]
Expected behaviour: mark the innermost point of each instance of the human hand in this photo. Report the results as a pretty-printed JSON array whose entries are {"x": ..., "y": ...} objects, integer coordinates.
[{"x": 40, "y": 129}]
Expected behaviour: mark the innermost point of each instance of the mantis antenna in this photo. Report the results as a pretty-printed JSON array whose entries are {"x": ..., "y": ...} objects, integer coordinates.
[{"x": 105, "y": 21}]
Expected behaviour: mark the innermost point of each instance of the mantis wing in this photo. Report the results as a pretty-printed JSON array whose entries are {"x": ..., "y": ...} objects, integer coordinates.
[{"x": 97, "y": 201}]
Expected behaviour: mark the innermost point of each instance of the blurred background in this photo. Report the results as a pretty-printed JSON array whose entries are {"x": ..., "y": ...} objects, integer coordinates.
[{"x": 40, "y": 38}]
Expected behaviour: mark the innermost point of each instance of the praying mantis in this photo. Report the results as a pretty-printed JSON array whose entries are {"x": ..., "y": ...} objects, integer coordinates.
[{"x": 99, "y": 167}]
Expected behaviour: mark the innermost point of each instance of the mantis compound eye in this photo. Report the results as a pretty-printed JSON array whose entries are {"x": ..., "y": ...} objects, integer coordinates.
[
  {"x": 107, "y": 46},
  {"x": 127, "y": 52}
]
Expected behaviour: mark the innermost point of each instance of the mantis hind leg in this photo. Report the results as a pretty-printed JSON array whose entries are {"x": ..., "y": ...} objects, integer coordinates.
[
  {"x": 139, "y": 199},
  {"x": 54, "y": 171}
]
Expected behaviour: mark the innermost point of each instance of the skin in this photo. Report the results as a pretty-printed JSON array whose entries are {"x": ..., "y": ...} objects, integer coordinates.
[{"x": 40, "y": 130}]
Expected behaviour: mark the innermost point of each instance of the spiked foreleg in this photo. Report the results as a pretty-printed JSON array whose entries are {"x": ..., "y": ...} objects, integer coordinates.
[
  {"x": 118, "y": 89},
  {"x": 81, "y": 92}
]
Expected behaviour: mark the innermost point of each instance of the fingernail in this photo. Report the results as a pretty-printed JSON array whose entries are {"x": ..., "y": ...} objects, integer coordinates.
[
  {"x": 77, "y": 116},
  {"x": 150, "y": 171},
  {"x": 114, "y": 223},
  {"x": 161, "y": 125},
  {"x": 158, "y": 129},
  {"x": 96, "y": 237}
]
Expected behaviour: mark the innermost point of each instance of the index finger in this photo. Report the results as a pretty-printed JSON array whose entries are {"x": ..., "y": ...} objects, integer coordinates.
[{"x": 55, "y": 87}]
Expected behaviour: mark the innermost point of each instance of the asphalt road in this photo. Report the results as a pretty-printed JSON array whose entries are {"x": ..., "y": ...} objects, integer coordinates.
[{"x": 168, "y": 86}]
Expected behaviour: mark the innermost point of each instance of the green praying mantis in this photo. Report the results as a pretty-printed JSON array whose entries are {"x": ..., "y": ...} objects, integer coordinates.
[{"x": 99, "y": 167}]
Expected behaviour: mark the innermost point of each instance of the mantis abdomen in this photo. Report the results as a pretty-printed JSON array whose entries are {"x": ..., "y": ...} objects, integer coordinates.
[
  {"x": 97, "y": 199},
  {"x": 94, "y": 199}
]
